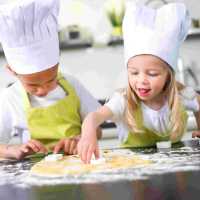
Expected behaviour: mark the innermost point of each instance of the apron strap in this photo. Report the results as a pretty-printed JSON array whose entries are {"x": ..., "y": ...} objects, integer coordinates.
[{"x": 25, "y": 98}]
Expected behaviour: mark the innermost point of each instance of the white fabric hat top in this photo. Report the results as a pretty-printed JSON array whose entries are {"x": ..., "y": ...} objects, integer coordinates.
[
  {"x": 158, "y": 32},
  {"x": 29, "y": 34}
]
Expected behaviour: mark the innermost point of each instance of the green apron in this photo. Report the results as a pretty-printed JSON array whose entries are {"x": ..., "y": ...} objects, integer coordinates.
[
  {"x": 59, "y": 120},
  {"x": 149, "y": 137}
]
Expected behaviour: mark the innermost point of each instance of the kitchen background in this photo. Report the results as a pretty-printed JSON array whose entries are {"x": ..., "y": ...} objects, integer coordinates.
[{"x": 92, "y": 51}]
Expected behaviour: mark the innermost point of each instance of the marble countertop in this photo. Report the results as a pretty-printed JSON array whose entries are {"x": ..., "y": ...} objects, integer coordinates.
[{"x": 175, "y": 175}]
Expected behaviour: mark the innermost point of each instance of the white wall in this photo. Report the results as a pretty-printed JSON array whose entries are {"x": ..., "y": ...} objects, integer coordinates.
[{"x": 102, "y": 70}]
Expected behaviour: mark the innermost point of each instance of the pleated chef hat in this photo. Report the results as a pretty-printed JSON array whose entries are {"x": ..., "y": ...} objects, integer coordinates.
[
  {"x": 29, "y": 34},
  {"x": 158, "y": 32}
]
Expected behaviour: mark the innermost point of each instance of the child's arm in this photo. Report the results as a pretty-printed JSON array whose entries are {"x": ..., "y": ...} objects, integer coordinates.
[
  {"x": 197, "y": 117},
  {"x": 196, "y": 133},
  {"x": 20, "y": 151},
  {"x": 69, "y": 145},
  {"x": 99, "y": 133},
  {"x": 88, "y": 142}
]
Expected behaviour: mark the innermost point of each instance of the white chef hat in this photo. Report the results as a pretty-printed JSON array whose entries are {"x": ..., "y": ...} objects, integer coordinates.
[
  {"x": 29, "y": 34},
  {"x": 158, "y": 32}
]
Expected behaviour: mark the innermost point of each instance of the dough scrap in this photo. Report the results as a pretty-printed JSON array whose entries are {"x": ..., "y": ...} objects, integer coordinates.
[{"x": 72, "y": 165}]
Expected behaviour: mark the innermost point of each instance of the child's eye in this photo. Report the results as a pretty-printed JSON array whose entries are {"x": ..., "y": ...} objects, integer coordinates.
[
  {"x": 133, "y": 73},
  {"x": 153, "y": 74},
  {"x": 32, "y": 85}
]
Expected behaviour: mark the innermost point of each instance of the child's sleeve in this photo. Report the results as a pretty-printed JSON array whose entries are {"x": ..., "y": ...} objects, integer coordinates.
[
  {"x": 5, "y": 120},
  {"x": 87, "y": 101},
  {"x": 189, "y": 98},
  {"x": 117, "y": 105}
]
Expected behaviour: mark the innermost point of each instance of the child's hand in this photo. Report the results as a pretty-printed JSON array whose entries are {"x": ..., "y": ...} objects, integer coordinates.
[
  {"x": 196, "y": 134},
  {"x": 88, "y": 146},
  {"x": 68, "y": 145},
  {"x": 20, "y": 151}
]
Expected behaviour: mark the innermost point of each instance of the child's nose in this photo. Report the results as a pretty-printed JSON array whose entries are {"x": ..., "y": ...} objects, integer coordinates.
[
  {"x": 41, "y": 91},
  {"x": 143, "y": 79}
]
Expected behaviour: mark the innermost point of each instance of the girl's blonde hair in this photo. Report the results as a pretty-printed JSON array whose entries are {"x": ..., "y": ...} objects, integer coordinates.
[{"x": 171, "y": 90}]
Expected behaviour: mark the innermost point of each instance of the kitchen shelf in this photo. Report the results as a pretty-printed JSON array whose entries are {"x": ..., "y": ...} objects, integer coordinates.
[
  {"x": 194, "y": 33},
  {"x": 74, "y": 45}
]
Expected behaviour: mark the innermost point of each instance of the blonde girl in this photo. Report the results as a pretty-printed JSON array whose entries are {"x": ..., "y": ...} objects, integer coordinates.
[{"x": 153, "y": 106}]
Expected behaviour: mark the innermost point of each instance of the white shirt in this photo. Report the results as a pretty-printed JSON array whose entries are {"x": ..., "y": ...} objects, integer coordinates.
[
  {"x": 156, "y": 120},
  {"x": 12, "y": 113}
]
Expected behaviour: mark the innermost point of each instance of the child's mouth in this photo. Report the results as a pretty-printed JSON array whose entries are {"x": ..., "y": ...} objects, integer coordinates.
[{"x": 144, "y": 92}]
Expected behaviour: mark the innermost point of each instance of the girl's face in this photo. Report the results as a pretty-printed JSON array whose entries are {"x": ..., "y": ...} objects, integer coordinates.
[
  {"x": 40, "y": 83},
  {"x": 147, "y": 75}
]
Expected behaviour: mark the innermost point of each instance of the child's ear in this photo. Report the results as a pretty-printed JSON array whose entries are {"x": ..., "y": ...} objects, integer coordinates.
[{"x": 10, "y": 70}]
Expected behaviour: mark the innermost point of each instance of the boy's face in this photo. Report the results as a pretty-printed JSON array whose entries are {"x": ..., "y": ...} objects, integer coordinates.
[
  {"x": 40, "y": 83},
  {"x": 147, "y": 76}
]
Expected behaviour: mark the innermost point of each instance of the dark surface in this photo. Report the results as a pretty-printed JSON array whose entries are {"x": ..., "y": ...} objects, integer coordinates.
[
  {"x": 181, "y": 185},
  {"x": 168, "y": 186}
]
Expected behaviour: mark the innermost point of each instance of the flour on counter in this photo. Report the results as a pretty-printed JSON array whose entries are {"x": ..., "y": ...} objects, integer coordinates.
[{"x": 177, "y": 160}]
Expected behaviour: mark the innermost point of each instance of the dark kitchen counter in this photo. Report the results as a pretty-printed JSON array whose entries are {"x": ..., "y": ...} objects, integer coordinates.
[{"x": 175, "y": 176}]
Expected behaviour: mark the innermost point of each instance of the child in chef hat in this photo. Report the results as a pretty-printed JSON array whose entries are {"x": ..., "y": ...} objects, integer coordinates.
[
  {"x": 153, "y": 106},
  {"x": 43, "y": 107}
]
